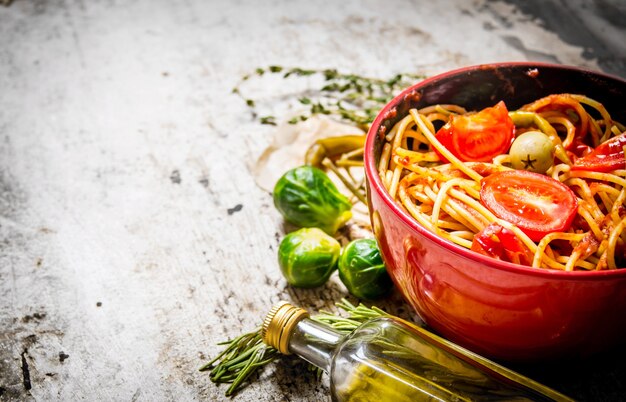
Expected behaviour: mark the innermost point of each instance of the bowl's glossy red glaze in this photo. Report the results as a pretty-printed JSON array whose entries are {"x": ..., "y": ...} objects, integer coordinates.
[{"x": 501, "y": 310}]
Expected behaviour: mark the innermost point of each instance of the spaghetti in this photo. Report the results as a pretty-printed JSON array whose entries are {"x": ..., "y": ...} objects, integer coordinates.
[{"x": 445, "y": 197}]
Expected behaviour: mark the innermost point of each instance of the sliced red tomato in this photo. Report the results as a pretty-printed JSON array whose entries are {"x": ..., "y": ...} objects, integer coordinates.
[
  {"x": 500, "y": 243},
  {"x": 535, "y": 203},
  {"x": 606, "y": 157},
  {"x": 478, "y": 137}
]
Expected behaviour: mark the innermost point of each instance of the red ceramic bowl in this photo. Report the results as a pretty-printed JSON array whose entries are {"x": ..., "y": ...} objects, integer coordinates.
[{"x": 498, "y": 309}]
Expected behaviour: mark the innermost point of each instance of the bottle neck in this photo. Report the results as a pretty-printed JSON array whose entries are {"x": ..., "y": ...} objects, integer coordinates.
[
  {"x": 314, "y": 342},
  {"x": 290, "y": 330}
]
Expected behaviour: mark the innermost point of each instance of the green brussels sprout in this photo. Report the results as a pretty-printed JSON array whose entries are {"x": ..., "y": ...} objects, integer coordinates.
[
  {"x": 307, "y": 257},
  {"x": 362, "y": 270},
  {"x": 306, "y": 197}
]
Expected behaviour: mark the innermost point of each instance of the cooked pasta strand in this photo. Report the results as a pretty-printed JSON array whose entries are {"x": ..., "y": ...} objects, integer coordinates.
[{"x": 446, "y": 198}]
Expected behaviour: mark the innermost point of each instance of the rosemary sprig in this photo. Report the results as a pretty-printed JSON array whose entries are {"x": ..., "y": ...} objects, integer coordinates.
[
  {"x": 247, "y": 353},
  {"x": 239, "y": 360},
  {"x": 351, "y": 97},
  {"x": 357, "y": 315}
]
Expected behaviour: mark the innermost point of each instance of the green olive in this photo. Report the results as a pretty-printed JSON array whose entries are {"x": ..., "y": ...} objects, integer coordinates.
[{"x": 532, "y": 151}]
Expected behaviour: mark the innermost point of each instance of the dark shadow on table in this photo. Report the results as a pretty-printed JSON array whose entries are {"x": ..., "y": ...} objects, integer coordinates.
[{"x": 598, "y": 378}]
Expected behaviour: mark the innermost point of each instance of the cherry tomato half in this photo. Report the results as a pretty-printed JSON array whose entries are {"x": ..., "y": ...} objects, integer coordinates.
[
  {"x": 500, "y": 243},
  {"x": 536, "y": 203},
  {"x": 478, "y": 137},
  {"x": 606, "y": 157}
]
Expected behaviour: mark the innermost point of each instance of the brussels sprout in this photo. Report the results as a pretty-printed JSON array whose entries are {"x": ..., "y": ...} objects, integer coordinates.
[
  {"x": 362, "y": 270},
  {"x": 306, "y": 197},
  {"x": 532, "y": 151},
  {"x": 307, "y": 257}
]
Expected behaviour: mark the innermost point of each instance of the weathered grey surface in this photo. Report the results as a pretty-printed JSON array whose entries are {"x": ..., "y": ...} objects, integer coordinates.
[{"x": 132, "y": 235}]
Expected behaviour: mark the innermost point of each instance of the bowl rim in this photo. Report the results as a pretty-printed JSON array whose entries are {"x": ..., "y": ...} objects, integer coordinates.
[{"x": 375, "y": 183}]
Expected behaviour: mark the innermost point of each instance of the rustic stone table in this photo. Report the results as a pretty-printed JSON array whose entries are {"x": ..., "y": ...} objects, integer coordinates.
[{"x": 132, "y": 235}]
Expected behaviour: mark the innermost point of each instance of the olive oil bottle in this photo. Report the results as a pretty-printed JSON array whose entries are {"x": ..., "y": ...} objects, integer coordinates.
[{"x": 389, "y": 359}]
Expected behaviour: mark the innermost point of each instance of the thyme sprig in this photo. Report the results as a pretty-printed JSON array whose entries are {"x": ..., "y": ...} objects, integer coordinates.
[
  {"x": 351, "y": 97},
  {"x": 247, "y": 353}
]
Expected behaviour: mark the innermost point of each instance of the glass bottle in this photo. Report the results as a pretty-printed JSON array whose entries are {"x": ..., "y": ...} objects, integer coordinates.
[{"x": 389, "y": 359}]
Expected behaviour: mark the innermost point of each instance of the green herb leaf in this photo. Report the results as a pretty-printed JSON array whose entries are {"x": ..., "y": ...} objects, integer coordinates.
[
  {"x": 363, "y": 96},
  {"x": 271, "y": 120}
]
